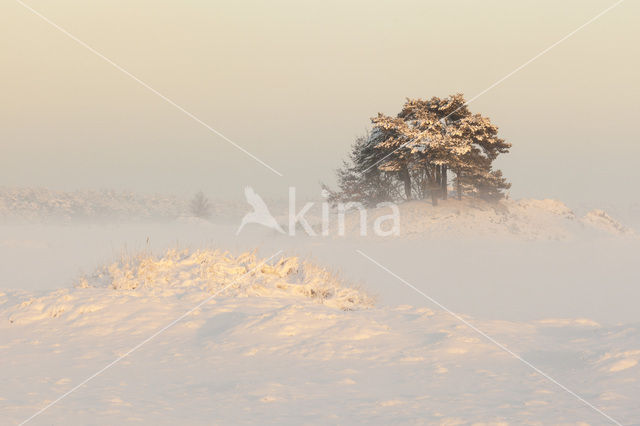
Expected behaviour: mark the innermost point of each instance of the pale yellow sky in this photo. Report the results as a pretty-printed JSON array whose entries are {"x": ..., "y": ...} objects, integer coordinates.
[{"x": 294, "y": 83}]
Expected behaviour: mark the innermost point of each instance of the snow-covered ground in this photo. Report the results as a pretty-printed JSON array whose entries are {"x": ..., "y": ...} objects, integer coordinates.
[
  {"x": 284, "y": 341},
  {"x": 319, "y": 333}
]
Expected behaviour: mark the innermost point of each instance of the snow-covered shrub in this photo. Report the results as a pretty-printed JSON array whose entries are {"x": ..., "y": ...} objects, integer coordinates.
[{"x": 219, "y": 272}]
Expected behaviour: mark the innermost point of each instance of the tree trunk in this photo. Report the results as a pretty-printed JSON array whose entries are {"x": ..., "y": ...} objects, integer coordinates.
[
  {"x": 432, "y": 184},
  {"x": 406, "y": 178},
  {"x": 459, "y": 184},
  {"x": 424, "y": 186},
  {"x": 444, "y": 183}
]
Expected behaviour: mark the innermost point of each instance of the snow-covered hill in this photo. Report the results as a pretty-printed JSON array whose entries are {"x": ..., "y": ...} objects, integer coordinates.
[
  {"x": 527, "y": 219},
  {"x": 287, "y": 342}
]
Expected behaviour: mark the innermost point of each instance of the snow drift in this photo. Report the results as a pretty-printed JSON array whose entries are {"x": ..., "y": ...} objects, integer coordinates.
[{"x": 527, "y": 219}]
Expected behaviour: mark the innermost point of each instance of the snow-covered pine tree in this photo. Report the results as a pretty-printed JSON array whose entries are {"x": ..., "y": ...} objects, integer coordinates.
[
  {"x": 390, "y": 138},
  {"x": 359, "y": 179},
  {"x": 429, "y": 148},
  {"x": 472, "y": 163},
  {"x": 465, "y": 143},
  {"x": 200, "y": 206}
]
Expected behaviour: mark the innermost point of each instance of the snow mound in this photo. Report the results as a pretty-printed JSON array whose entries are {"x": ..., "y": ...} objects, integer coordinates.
[
  {"x": 196, "y": 275},
  {"x": 601, "y": 220},
  {"x": 527, "y": 219},
  {"x": 216, "y": 271}
]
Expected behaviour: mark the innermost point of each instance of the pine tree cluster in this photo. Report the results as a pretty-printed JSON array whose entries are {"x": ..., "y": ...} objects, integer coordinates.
[{"x": 409, "y": 156}]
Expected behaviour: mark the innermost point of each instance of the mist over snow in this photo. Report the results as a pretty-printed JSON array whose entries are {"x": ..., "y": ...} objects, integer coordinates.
[
  {"x": 319, "y": 325},
  {"x": 527, "y": 219}
]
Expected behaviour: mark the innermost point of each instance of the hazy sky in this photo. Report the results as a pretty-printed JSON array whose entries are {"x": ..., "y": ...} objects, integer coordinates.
[{"x": 295, "y": 82}]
